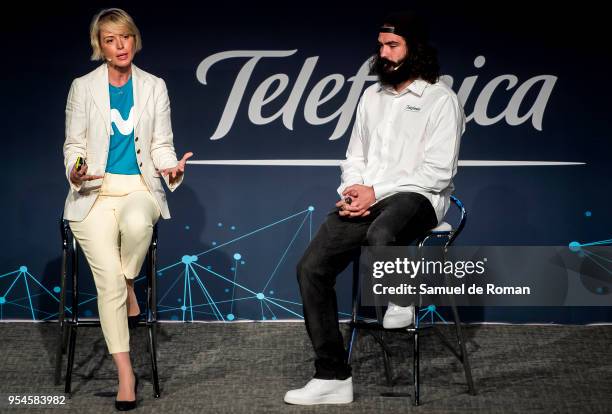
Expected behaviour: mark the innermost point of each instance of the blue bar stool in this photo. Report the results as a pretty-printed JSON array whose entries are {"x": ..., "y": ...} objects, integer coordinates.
[{"x": 443, "y": 231}]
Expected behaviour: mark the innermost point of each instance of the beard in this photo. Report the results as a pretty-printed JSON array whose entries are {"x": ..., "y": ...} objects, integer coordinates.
[{"x": 389, "y": 72}]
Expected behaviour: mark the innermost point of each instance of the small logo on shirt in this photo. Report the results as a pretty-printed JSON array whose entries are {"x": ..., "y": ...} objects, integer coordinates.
[{"x": 412, "y": 108}]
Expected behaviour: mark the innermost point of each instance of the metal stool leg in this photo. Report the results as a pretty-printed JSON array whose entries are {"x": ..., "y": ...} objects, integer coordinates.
[
  {"x": 462, "y": 349},
  {"x": 152, "y": 312},
  {"x": 460, "y": 339},
  {"x": 70, "y": 365},
  {"x": 153, "y": 353},
  {"x": 59, "y": 353},
  {"x": 61, "y": 316},
  {"x": 355, "y": 310},
  {"x": 75, "y": 318},
  {"x": 415, "y": 366}
]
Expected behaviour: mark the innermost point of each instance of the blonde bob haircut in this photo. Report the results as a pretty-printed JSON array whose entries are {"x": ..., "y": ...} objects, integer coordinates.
[{"x": 116, "y": 20}]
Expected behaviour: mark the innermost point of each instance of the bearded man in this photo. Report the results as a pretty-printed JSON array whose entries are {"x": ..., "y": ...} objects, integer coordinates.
[{"x": 396, "y": 184}]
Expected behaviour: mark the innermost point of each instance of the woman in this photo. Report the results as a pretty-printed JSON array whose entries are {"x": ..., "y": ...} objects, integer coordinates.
[{"x": 118, "y": 120}]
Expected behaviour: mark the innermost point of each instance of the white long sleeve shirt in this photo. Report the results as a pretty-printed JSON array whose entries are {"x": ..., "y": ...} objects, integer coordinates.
[{"x": 406, "y": 141}]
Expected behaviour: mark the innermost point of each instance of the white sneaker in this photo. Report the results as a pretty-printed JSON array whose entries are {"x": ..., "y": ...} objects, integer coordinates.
[
  {"x": 320, "y": 391},
  {"x": 398, "y": 316}
]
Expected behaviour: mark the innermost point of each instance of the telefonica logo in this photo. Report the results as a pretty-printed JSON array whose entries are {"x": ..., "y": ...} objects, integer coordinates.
[
  {"x": 328, "y": 87},
  {"x": 125, "y": 126}
]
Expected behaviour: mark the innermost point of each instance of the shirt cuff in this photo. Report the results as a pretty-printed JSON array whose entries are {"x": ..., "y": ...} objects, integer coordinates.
[
  {"x": 382, "y": 190},
  {"x": 344, "y": 185},
  {"x": 174, "y": 185},
  {"x": 73, "y": 186}
]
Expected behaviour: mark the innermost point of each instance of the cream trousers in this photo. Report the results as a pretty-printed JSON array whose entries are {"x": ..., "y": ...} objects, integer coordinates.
[{"x": 115, "y": 237}]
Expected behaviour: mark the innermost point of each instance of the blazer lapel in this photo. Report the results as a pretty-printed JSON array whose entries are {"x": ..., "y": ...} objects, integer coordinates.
[
  {"x": 101, "y": 98},
  {"x": 142, "y": 91}
]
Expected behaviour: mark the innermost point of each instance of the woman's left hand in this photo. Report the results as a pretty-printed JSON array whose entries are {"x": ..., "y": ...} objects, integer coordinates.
[{"x": 178, "y": 171}]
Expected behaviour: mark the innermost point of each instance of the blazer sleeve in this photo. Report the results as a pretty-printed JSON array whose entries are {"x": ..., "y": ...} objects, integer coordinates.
[
  {"x": 162, "y": 145},
  {"x": 75, "y": 143}
]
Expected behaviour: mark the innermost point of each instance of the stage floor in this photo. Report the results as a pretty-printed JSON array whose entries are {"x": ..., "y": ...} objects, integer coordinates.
[{"x": 247, "y": 367}]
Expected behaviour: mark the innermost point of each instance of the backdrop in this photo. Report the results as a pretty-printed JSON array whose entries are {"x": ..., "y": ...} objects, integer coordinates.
[{"x": 264, "y": 94}]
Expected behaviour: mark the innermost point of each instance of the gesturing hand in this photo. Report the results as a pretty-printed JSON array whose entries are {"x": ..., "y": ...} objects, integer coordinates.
[
  {"x": 77, "y": 177},
  {"x": 177, "y": 172}
]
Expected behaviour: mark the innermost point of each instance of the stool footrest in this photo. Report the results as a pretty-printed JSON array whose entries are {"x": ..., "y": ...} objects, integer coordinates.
[
  {"x": 96, "y": 323},
  {"x": 85, "y": 324},
  {"x": 395, "y": 394}
]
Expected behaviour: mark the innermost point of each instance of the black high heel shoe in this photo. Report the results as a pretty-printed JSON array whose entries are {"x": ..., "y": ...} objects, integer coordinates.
[{"x": 128, "y": 405}]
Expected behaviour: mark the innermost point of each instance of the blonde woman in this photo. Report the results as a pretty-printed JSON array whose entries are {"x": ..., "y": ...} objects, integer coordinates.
[{"x": 118, "y": 122}]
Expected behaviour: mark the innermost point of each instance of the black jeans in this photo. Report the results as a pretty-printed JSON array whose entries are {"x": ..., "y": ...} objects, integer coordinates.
[{"x": 395, "y": 220}]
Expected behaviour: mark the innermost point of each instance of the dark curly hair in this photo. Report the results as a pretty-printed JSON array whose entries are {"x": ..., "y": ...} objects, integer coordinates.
[{"x": 422, "y": 60}]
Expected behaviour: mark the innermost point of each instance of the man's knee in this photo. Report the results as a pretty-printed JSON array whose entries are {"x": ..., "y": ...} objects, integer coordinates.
[
  {"x": 379, "y": 236},
  {"x": 306, "y": 268}
]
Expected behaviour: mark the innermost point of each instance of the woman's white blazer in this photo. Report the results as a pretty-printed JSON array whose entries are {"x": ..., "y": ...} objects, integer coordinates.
[{"x": 88, "y": 128}]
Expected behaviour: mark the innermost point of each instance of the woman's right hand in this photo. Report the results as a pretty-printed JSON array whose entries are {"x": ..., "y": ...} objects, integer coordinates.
[{"x": 78, "y": 176}]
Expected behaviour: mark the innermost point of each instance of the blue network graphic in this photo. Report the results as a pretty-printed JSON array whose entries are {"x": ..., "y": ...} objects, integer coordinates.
[
  {"x": 241, "y": 278},
  {"x": 596, "y": 271},
  {"x": 200, "y": 291},
  {"x": 603, "y": 263},
  {"x": 190, "y": 289},
  {"x": 432, "y": 312},
  {"x": 23, "y": 291}
]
